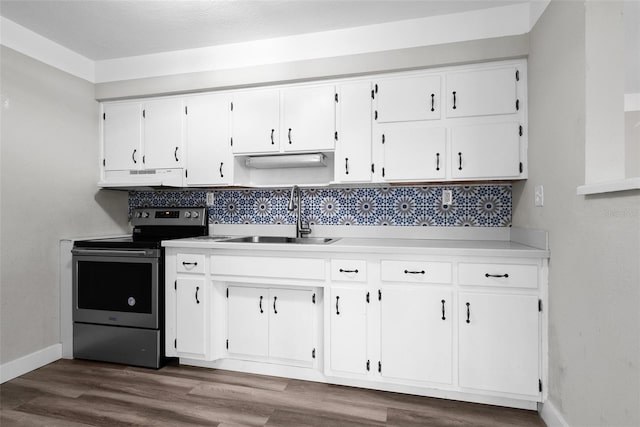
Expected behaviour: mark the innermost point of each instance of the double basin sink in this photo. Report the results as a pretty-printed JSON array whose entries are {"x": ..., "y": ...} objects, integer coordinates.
[{"x": 275, "y": 239}]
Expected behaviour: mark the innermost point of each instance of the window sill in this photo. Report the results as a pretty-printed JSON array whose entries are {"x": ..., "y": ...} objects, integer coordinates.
[{"x": 628, "y": 184}]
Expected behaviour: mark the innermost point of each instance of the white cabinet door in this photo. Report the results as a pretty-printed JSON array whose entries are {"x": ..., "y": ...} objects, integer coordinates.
[
  {"x": 209, "y": 154},
  {"x": 499, "y": 342},
  {"x": 308, "y": 118},
  {"x": 192, "y": 315},
  {"x": 348, "y": 308},
  {"x": 291, "y": 334},
  {"x": 485, "y": 151},
  {"x": 416, "y": 334},
  {"x": 255, "y": 121},
  {"x": 413, "y": 153},
  {"x": 353, "y": 148},
  {"x": 408, "y": 98},
  {"x": 163, "y": 133},
  {"x": 248, "y": 321},
  {"x": 481, "y": 92},
  {"x": 122, "y": 136}
]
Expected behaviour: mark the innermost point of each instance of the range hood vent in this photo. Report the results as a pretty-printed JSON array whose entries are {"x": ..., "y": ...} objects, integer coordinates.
[{"x": 287, "y": 161}]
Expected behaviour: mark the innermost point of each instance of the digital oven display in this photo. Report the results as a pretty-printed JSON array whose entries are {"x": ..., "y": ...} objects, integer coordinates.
[{"x": 167, "y": 214}]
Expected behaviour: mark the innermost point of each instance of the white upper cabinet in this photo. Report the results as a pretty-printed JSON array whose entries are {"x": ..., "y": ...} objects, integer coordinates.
[
  {"x": 163, "y": 133},
  {"x": 122, "y": 136},
  {"x": 486, "y": 151},
  {"x": 482, "y": 92},
  {"x": 209, "y": 159},
  {"x": 353, "y": 147},
  {"x": 308, "y": 118},
  {"x": 256, "y": 121},
  {"x": 412, "y": 153},
  {"x": 407, "y": 99}
]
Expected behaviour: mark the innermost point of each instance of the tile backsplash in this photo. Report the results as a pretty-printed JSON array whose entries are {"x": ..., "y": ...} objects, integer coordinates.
[{"x": 472, "y": 206}]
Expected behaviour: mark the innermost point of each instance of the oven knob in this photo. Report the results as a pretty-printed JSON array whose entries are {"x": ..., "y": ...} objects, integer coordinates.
[
  {"x": 138, "y": 214},
  {"x": 131, "y": 301},
  {"x": 195, "y": 214},
  {"x": 145, "y": 214},
  {"x": 187, "y": 214}
]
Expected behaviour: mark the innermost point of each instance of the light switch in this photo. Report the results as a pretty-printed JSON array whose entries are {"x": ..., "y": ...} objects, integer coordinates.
[
  {"x": 447, "y": 197},
  {"x": 209, "y": 199},
  {"x": 539, "y": 196}
]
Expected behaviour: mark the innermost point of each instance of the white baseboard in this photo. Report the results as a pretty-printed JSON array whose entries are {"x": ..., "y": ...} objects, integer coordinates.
[
  {"x": 551, "y": 416},
  {"x": 30, "y": 362}
]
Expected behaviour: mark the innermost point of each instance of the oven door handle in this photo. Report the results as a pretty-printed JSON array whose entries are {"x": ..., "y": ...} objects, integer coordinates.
[{"x": 112, "y": 252}]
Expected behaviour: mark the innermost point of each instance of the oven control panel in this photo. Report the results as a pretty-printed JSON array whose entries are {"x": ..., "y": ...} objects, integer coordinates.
[{"x": 168, "y": 216}]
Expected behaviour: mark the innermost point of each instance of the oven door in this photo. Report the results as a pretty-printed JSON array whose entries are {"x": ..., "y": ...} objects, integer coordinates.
[{"x": 117, "y": 286}]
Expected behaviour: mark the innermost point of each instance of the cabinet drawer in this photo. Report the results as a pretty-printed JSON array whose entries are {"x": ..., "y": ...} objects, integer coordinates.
[
  {"x": 348, "y": 270},
  {"x": 190, "y": 263},
  {"x": 415, "y": 271},
  {"x": 511, "y": 275},
  {"x": 288, "y": 268}
]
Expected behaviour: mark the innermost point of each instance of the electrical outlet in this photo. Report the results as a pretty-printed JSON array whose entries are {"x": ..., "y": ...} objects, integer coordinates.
[
  {"x": 539, "y": 196},
  {"x": 209, "y": 199},
  {"x": 447, "y": 197}
]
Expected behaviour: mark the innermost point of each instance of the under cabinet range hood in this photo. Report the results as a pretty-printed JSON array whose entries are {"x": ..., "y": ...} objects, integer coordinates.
[{"x": 287, "y": 161}]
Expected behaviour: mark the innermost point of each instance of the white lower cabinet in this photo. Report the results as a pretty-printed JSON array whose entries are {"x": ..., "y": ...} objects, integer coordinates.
[
  {"x": 192, "y": 318},
  {"x": 348, "y": 330},
  {"x": 271, "y": 323},
  {"x": 499, "y": 342},
  {"x": 416, "y": 334}
]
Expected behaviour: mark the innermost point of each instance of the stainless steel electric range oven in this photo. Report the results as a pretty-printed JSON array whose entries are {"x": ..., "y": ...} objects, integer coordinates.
[{"x": 118, "y": 288}]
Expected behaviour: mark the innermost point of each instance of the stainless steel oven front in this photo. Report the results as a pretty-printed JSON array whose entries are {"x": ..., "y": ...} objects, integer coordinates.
[
  {"x": 117, "y": 305},
  {"x": 116, "y": 286}
]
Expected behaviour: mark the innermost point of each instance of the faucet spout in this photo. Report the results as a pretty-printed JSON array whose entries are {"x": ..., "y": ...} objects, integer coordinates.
[{"x": 295, "y": 202}]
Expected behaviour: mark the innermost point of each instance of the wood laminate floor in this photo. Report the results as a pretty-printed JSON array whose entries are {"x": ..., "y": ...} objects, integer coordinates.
[{"x": 81, "y": 393}]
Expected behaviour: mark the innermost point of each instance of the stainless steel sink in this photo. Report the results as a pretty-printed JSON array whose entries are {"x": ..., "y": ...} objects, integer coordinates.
[{"x": 280, "y": 239}]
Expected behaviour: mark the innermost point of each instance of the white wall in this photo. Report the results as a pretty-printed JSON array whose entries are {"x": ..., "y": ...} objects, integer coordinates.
[
  {"x": 49, "y": 158},
  {"x": 594, "y": 270}
]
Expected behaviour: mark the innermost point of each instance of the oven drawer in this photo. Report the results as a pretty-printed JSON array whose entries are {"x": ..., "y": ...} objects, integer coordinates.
[{"x": 190, "y": 263}]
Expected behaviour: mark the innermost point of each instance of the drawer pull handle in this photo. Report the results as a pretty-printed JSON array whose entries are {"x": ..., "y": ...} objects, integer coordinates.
[
  {"x": 414, "y": 272},
  {"x": 275, "y": 311},
  {"x": 197, "y": 289},
  {"x": 348, "y": 271},
  {"x": 506, "y": 276},
  {"x": 468, "y": 313},
  {"x": 443, "y": 316},
  {"x": 337, "y": 306},
  {"x": 261, "y": 310},
  {"x": 185, "y": 263}
]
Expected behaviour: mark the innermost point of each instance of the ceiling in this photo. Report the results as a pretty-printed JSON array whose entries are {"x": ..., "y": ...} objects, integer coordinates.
[{"x": 99, "y": 29}]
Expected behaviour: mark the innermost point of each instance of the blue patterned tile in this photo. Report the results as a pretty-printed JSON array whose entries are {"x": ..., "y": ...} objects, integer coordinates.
[{"x": 472, "y": 205}]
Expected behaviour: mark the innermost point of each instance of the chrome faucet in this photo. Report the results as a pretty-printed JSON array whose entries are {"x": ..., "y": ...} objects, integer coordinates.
[{"x": 297, "y": 204}]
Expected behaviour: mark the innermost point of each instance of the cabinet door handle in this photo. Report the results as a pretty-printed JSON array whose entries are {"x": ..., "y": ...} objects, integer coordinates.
[
  {"x": 289, "y": 135},
  {"x": 197, "y": 289},
  {"x": 221, "y": 175},
  {"x": 443, "y": 315},
  {"x": 175, "y": 154},
  {"x": 337, "y": 306},
  {"x": 348, "y": 271},
  {"x": 133, "y": 156},
  {"x": 414, "y": 272},
  {"x": 185, "y": 263},
  {"x": 275, "y": 311},
  {"x": 437, "y": 161},
  {"x": 346, "y": 165},
  {"x": 460, "y": 161},
  {"x": 468, "y": 313},
  {"x": 454, "y": 100},
  {"x": 272, "y": 130},
  {"x": 433, "y": 95},
  {"x": 260, "y": 305},
  {"x": 497, "y": 275}
]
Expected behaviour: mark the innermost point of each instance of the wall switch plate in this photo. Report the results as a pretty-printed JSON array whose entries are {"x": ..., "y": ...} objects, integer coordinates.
[
  {"x": 447, "y": 197},
  {"x": 539, "y": 196},
  {"x": 209, "y": 199}
]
